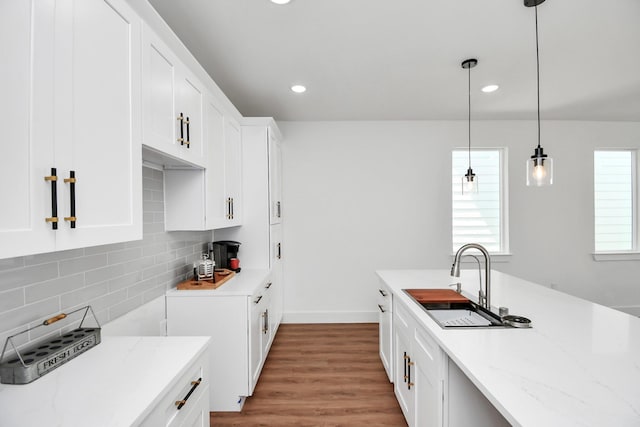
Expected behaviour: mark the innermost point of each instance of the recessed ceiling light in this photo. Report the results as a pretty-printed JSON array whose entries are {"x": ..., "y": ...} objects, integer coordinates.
[
  {"x": 298, "y": 88},
  {"x": 490, "y": 88},
  {"x": 280, "y": 1}
]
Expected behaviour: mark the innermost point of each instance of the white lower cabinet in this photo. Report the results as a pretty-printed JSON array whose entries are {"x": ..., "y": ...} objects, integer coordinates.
[
  {"x": 238, "y": 323},
  {"x": 419, "y": 373},
  {"x": 385, "y": 321},
  {"x": 187, "y": 401},
  {"x": 430, "y": 388}
]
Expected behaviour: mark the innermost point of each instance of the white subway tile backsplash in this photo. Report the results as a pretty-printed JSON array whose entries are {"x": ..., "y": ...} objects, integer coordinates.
[
  {"x": 124, "y": 255},
  {"x": 104, "y": 248},
  {"x": 114, "y": 279},
  {"x": 53, "y": 256},
  {"x": 29, "y": 313},
  {"x": 84, "y": 263},
  {"x": 53, "y": 287},
  {"x": 11, "y": 279},
  {"x": 104, "y": 273},
  {"x": 82, "y": 295},
  {"x": 11, "y": 263},
  {"x": 11, "y": 299}
]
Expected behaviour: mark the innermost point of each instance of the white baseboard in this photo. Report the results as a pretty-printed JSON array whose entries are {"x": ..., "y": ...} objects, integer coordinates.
[
  {"x": 330, "y": 317},
  {"x": 633, "y": 310}
]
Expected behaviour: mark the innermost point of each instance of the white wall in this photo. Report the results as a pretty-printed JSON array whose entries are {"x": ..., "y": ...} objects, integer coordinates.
[{"x": 361, "y": 196}]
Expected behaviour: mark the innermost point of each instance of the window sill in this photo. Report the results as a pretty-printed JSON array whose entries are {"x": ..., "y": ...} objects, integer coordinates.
[
  {"x": 616, "y": 256},
  {"x": 495, "y": 258}
]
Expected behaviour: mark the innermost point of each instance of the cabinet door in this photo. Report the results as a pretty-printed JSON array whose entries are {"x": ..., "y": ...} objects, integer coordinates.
[
  {"x": 429, "y": 379},
  {"x": 98, "y": 121},
  {"x": 255, "y": 339},
  {"x": 160, "y": 118},
  {"x": 190, "y": 103},
  {"x": 26, "y": 42},
  {"x": 275, "y": 180},
  {"x": 233, "y": 172},
  {"x": 216, "y": 206},
  {"x": 404, "y": 387}
]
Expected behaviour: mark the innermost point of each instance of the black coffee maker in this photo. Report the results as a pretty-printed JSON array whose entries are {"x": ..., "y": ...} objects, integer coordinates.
[{"x": 222, "y": 252}]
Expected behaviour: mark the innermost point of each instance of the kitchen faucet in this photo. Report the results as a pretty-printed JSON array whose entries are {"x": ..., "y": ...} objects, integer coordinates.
[{"x": 484, "y": 298}]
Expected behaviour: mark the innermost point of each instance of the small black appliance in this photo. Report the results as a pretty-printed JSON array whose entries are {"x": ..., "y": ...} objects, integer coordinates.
[{"x": 222, "y": 251}]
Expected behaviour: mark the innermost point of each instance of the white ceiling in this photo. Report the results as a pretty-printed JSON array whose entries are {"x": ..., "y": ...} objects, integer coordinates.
[{"x": 400, "y": 59}]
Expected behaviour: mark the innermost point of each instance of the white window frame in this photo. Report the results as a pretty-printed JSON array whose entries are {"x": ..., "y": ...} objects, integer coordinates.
[
  {"x": 634, "y": 253},
  {"x": 504, "y": 254}
]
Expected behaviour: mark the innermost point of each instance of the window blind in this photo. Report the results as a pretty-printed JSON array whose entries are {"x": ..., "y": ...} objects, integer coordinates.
[
  {"x": 614, "y": 176},
  {"x": 477, "y": 218}
]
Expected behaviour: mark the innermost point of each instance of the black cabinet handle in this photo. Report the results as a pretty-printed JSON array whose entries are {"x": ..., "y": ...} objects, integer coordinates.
[
  {"x": 405, "y": 357},
  {"x": 278, "y": 209},
  {"x": 268, "y": 285},
  {"x": 258, "y": 299},
  {"x": 383, "y": 293},
  {"x": 265, "y": 321},
  {"x": 194, "y": 385},
  {"x": 279, "y": 256},
  {"x": 232, "y": 211},
  {"x": 228, "y": 207},
  {"x": 381, "y": 308},
  {"x": 53, "y": 219},
  {"x": 181, "y": 120},
  {"x": 188, "y": 141},
  {"x": 72, "y": 195}
]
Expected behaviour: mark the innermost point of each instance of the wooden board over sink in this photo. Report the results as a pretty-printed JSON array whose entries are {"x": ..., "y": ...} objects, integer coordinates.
[{"x": 436, "y": 295}]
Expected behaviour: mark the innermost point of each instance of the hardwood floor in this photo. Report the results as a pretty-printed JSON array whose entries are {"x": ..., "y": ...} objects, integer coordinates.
[{"x": 320, "y": 375}]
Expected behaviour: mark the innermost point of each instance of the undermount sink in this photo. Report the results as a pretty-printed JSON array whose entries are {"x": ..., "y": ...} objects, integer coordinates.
[
  {"x": 452, "y": 310},
  {"x": 462, "y": 315}
]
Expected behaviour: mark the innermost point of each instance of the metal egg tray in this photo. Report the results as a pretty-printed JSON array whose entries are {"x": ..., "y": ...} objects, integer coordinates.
[{"x": 37, "y": 360}]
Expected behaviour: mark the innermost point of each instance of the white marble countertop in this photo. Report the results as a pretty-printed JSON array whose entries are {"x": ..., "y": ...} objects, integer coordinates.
[
  {"x": 243, "y": 283},
  {"x": 579, "y": 365},
  {"x": 114, "y": 384}
]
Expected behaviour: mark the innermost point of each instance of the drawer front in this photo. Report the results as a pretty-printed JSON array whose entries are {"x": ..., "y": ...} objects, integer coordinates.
[
  {"x": 402, "y": 319},
  {"x": 383, "y": 299},
  {"x": 185, "y": 394}
]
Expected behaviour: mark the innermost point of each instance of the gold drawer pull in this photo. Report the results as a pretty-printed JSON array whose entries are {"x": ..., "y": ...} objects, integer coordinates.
[{"x": 52, "y": 219}]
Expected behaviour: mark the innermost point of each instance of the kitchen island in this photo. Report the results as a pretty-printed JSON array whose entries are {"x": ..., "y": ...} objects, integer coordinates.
[{"x": 579, "y": 364}]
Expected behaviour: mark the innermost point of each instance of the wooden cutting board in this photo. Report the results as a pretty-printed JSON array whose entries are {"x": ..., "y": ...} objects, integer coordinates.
[
  {"x": 221, "y": 278},
  {"x": 436, "y": 295}
]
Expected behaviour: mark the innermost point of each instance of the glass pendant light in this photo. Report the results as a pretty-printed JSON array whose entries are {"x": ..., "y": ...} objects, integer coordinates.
[
  {"x": 469, "y": 180},
  {"x": 539, "y": 166}
]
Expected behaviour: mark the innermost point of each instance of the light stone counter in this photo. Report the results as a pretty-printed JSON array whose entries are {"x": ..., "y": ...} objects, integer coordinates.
[
  {"x": 117, "y": 383},
  {"x": 578, "y": 366}
]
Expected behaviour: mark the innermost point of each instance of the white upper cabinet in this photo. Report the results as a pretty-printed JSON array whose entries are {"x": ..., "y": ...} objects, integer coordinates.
[
  {"x": 275, "y": 179},
  {"x": 75, "y": 107},
  {"x": 173, "y": 103},
  {"x": 97, "y": 121},
  {"x": 233, "y": 172},
  {"x": 26, "y": 149},
  {"x": 216, "y": 204}
]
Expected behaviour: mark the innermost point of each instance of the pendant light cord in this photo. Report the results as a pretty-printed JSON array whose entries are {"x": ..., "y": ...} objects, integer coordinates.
[
  {"x": 538, "y": 73},
  {"x": 469, "y": 116}
]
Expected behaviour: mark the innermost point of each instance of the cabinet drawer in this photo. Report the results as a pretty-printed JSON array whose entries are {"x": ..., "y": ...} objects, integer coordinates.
[
  {"x": 383, "y": 299},
  {"x": 402, "y": 320},
  {"x": 188, "y": 389}
]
